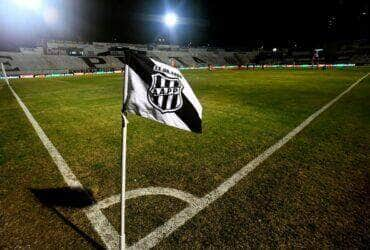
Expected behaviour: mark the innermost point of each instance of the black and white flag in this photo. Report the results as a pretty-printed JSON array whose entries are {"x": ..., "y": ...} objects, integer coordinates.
[{"x": 159, "y": 92}]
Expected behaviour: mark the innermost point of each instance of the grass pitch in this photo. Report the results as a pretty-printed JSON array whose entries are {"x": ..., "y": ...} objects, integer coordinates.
[{"x": 313, "y": 192}]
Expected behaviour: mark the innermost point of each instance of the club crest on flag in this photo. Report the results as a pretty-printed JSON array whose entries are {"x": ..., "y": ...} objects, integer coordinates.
[{"x": 165, "y": 93}]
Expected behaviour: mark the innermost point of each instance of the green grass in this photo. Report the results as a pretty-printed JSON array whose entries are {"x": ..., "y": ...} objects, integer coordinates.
[{"x": 313, "y": 192}]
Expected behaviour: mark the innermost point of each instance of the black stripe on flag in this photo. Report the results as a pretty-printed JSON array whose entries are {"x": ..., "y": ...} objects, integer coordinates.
[
  {"x": 189, "y": 116},
  {"x": 141, "y": 64},
  {"x": 174, "y": 101},
  {"x": 157, "y": 85},
  {"x": 175, "y": 97},
  {"x": 158, "y": 82}
]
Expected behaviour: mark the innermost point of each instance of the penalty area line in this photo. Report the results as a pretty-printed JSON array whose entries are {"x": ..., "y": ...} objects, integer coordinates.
[
  {"x": 98, "y": 220},
  {"x": 161, "y": 232}
]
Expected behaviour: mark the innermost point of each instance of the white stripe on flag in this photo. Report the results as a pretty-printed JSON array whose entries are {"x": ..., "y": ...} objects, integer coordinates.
[
  {"x": 178, "y": 99},
  {"x": 160, "y": 98}
]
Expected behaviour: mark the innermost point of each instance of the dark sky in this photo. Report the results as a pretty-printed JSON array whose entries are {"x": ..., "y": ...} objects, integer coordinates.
[{"x": 218, "y": 23}]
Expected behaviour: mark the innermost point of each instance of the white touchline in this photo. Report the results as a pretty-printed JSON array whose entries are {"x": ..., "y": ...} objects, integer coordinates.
[
  {"x": 193, "y": 209},
  {"x": 100, "y": 223}
]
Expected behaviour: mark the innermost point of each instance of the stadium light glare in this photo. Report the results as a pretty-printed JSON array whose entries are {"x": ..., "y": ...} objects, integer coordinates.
[
  {"x": 51, "y": 16},
  {"x": 170, "y": 19},
  {"x": 29, "y": 4}
]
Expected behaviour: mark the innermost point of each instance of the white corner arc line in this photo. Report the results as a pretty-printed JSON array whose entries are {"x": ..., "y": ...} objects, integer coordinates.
[
  {"x": 100, "y": 223},
  {"x": 193, "y": 209},
  {"x": 181, "y": 195}
]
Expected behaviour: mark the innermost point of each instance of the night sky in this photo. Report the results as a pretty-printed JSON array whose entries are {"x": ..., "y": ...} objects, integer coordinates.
[{"x": 217, "y": 23}]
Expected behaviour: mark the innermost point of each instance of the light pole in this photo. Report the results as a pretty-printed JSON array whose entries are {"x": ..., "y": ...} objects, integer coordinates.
[{"x": 274, "y": 50}]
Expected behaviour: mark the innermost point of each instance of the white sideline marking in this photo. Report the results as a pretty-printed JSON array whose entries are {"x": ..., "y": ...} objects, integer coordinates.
[
  {"x": 100, "y": 223},
  {"x": 186, "y": 197},
  {"x": 102, "y": 226},
  {"x": 193, "y": 209}
]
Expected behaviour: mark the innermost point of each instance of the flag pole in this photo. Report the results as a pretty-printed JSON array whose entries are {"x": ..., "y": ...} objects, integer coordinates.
[
  {"x": 123, "y": 182},
  {"x": 123, "y": 166}
]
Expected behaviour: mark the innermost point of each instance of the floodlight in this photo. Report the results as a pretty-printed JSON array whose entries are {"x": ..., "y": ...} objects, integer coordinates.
[
  {"x": 170, "y": 19},
  {"x": 29, "y": 4},
  {"x": 274, "y": 49}
]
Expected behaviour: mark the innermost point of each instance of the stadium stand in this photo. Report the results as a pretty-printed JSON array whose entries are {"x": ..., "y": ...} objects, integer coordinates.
[{"x": 68, "y": 57}]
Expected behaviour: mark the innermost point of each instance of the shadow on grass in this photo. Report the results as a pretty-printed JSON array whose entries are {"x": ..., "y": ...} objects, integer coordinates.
[
  {"x": 68, "y": 198},
  {"x": 64, "y": 197}
]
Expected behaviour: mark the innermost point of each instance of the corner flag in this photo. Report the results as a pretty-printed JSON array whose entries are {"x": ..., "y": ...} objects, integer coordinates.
[{"x": 159, "y": 92}]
